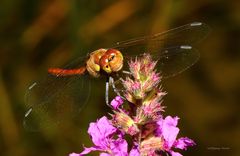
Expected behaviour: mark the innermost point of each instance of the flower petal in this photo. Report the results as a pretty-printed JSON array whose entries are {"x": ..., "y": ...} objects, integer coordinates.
[
  {"x": 101, "y": 131},
  {"x": 73, "y": 154},
  {"x": 134, "y": 151},
  {"x": 175, "y": 153},
  {"x": 119, "y": 147},
  {"x": 116, "y": 102},
  {"x": 104, "y": 154},
  {"x": 88, "y": 150},
  {"x": 183, "y": 143},
  {"x": 168, "y": 129}
]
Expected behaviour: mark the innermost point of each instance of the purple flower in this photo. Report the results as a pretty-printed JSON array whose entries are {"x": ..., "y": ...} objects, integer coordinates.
[
  {"x": 134, "y": 151},
  {"x": 141, "y": 121},
  {"x": 168, "y": 130},
  {"x": 118, "y": 101},
  {"x": 183, "y": 143},
  {"x": 102, "y": 133}
]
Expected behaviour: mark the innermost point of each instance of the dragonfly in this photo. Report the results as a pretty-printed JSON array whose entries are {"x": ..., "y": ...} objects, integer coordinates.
[{"x": 66, "y": 90}]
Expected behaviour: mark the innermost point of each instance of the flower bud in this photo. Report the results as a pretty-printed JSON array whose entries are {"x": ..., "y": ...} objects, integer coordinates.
[
  {"x": 150, "y": 145},
  {"x": 125, "y": 123}
]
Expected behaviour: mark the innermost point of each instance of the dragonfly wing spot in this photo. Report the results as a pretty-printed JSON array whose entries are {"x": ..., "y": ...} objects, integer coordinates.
[
  {"x": 28, "y": 112},
  {"x": 186, "y": 47},
  {"x": 34, "y": 84},
  {"x": 196, "y": 24}
]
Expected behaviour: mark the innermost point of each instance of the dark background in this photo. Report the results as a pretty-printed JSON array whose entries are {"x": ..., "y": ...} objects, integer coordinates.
[{"x": 38, "y": 34}]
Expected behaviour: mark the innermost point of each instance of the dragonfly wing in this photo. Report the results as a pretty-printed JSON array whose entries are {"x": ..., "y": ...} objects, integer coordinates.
[
  {"x": 175, "y": 60},
  {"x": 55, "y": 99},
  {"x": 172, "y": 48},
  {"x": 171, "y": 61},
  {"x": 188, "y": 34}
]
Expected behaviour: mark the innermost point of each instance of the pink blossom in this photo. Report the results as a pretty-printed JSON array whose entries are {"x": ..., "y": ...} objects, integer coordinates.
[
  {"x": 167, "y": 128},
  {"x": 141, "y": 120},
  {"x": 102, "y": 133},
  {"x": 116, "y": 102},
  {"x": 183, "y": 143}
]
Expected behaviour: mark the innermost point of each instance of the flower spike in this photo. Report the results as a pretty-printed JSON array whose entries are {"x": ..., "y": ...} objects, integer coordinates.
[{"x": 141, "y": 119}]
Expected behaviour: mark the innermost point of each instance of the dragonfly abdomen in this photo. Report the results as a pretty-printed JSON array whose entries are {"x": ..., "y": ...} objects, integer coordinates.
[{"x": 66, "y": 72}]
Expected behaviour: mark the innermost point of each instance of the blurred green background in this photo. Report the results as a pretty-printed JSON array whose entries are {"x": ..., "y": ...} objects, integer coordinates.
[{"x": 36, "y": 35}]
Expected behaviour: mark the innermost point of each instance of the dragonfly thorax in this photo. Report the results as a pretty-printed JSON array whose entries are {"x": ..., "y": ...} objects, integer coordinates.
[{"x": 107, "y": 60}]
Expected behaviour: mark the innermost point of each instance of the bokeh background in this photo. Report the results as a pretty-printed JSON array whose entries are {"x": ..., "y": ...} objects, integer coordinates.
[{"x": 36, "y": 35}]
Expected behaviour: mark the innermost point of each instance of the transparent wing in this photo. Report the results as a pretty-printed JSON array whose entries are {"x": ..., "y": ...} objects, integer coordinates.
[
  {"x": 175, "y": 60},
  {"x": 171, "y": 61},
  {"x": 172, "y": 48},
  {"x": 56, "y": 99},
  {"x": 188, "y": 34}
]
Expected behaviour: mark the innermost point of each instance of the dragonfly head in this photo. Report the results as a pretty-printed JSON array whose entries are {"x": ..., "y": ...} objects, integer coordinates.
[{"x": 111, "y": 61}]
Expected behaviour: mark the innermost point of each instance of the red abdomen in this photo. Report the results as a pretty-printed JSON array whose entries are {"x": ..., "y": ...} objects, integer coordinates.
[{"x": 66, "y": 72}]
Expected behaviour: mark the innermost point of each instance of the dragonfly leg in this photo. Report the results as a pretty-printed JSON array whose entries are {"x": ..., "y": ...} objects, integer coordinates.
[
  {"x": 126, "y": 72},
  {"x": 106, "y": 92},
  {"x": 112, "y": 83}
]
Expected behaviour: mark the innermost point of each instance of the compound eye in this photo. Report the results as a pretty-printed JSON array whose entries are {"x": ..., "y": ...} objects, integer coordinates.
[{"x": 111, "y": 57}]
